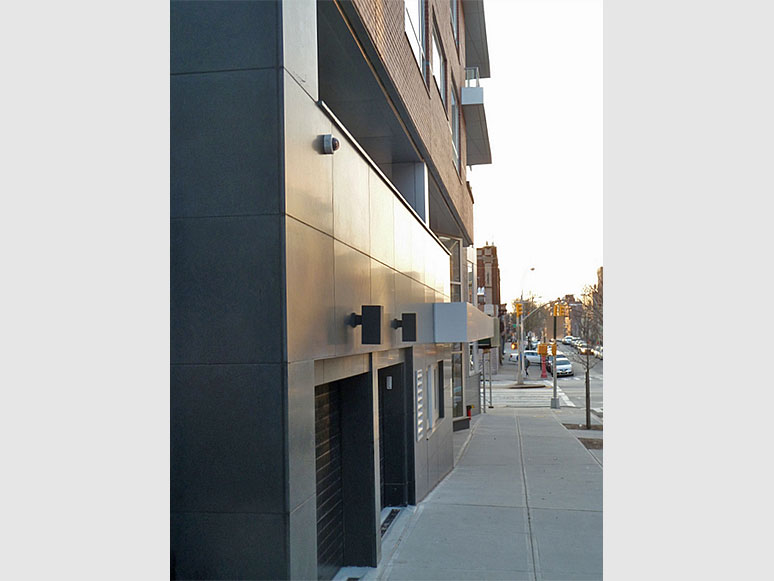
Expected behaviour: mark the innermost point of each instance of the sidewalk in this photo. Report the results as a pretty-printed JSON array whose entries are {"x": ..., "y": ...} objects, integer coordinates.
[{"x": 524, "y": 502}]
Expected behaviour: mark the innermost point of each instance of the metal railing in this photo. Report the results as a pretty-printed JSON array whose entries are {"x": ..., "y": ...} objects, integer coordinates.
[{"x": 472, "y": 78}]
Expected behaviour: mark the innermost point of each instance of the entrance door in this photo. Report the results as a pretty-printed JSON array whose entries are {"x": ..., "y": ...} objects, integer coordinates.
[{"x": 394, "y": 440}]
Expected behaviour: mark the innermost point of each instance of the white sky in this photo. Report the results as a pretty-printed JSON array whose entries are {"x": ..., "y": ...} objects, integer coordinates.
[{"x": 540, "y": 202}]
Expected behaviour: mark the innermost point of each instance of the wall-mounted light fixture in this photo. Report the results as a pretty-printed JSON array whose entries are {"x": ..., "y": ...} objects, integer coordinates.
[
  {"x": 371, "y": 320},
  {"x": 330, "y": 143},
  {"x": 408, "y": 324}
]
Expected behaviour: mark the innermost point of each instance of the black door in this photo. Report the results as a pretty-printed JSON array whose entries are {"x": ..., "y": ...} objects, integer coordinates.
[
  {"x": 394, "y": 439},
  {"x": 330, "y": 506}
]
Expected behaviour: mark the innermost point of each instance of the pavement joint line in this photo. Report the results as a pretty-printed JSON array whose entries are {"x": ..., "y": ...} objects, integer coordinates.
[
  {"x": 533, "y": 548},
  {"x": 404, "y": 533},
  {"x": 499, "y": 506},
  {"x": 464, "y": 447}
]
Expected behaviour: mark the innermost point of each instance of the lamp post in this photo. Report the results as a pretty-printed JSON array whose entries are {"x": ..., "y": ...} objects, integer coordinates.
[{"x": 520, "y": 375}]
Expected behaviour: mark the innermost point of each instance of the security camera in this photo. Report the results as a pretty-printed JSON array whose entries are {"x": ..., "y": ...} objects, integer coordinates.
[{"x": 330, "y": 143}]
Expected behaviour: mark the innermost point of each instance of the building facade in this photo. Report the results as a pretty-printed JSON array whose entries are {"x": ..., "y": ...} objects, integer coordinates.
[{"x": 321, "y": 316}]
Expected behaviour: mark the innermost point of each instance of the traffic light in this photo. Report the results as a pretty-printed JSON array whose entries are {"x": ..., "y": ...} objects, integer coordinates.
[{"x": 519, "y": 309}]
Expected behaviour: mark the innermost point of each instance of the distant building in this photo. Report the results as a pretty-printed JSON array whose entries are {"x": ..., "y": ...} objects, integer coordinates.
[{"x": 488, "y": 278}]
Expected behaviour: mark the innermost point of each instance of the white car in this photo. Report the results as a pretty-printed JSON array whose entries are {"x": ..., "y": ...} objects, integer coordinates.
[
  {"x": 563, "y": 365},
  {"x": 532, "y": 356}
]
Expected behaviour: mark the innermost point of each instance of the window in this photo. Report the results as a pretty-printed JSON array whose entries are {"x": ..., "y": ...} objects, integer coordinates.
[
  {"x": 454, "y": 246},
  {"x": 438, "y": 64},
  {"x": 414, "y": 24},
  {"x": 455, "y": 127},
  {"x": 434, "y": 396},
  {"x": 458, "y": 408},
  {"x": 440, "y": 384},
  {"x": 471, "y": 276},
  {"x": 455, "y": 20}
]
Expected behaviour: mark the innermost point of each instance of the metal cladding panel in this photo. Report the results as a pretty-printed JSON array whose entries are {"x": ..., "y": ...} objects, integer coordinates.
[
  {"x": 351, "y": 212},
  {"x": 310, "y": 284},
  {"x": 461, "y": 323},
  {"x": 382, "y": 219},
  {"x": 299, "y": 42},
  {"x": 420, "y": 243},
  {"x": 402, "y": 238},
  {"x": 308, "y": 171},
  {"x": 383, "y": 293},
  {"x": 352, "y": 275},
  {"x": 300, "y": 433}
]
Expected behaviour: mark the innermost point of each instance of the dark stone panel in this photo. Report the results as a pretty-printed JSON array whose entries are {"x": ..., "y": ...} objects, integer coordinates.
[
  {"x": 214, "y": 36},
  {"x": 226, "y": 438},
  {"x": 228, "y": 546},
  {"x": 224, "y": 144},
  {"x": 225, "y": 290}
]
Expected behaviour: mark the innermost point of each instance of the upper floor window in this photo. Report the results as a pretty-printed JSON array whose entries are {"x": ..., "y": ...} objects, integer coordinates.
[
  {"x": 414, "y": 24},
  {"x": 455, "y": 20},
  {"x": 438, "y": 63},
  {"x": 455, "y": 126}
]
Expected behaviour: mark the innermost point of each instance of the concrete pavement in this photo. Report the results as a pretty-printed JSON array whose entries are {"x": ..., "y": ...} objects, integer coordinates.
[{"x": 524, "y": 502}]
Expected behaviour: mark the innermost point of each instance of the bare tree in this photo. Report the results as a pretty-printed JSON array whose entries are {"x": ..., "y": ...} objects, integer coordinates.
[
  {"x": 589, "y": 329},
  {"x": 538, "y": 318}
]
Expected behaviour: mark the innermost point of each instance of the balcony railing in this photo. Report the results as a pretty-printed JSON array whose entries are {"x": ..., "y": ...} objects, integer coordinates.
[{"x": 472, "y": 78}]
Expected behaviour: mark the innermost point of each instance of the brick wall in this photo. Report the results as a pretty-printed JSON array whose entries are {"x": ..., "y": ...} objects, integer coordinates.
[{"x": 383, "y": 20}]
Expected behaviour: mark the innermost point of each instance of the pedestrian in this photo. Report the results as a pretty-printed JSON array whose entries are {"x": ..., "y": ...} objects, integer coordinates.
[{"x": 526, "y": 366}]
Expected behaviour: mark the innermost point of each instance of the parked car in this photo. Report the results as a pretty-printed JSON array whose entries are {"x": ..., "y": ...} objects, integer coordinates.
[
  {"x": 532, "y": 356},
  {"x": 563, "y": 365}
]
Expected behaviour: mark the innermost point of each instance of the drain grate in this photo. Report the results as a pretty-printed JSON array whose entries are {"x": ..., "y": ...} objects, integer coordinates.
[
  {"x": 591, "y": 443},
  {"x": 388, "y": 521}
]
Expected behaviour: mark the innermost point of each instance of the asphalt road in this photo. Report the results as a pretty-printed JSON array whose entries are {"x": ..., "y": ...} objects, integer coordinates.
[{"x": 573, "y": 386}]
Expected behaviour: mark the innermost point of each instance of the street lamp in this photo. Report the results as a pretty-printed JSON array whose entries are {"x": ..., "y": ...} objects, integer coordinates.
[{"x": 520, "y": 376}]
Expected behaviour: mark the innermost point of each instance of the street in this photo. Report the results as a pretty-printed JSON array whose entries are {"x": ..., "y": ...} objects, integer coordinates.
[{"x": 571, "y": 390}]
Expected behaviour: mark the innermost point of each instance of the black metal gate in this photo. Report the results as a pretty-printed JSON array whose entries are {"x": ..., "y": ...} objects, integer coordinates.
[{"x": 330, "y": 507}]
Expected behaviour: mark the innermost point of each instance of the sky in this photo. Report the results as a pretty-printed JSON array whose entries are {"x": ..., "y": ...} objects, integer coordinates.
[{"x": 540, "y": 201}]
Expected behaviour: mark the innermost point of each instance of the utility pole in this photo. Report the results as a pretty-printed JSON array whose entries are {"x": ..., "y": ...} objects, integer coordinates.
[
  {"x": 519, "y": 315},
  {"x": 555, "y": 399},
  {"x": 559, "y": 311}
]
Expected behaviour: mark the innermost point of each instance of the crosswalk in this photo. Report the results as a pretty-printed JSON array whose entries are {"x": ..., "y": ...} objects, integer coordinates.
[{"x": 531, "y": 398}]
